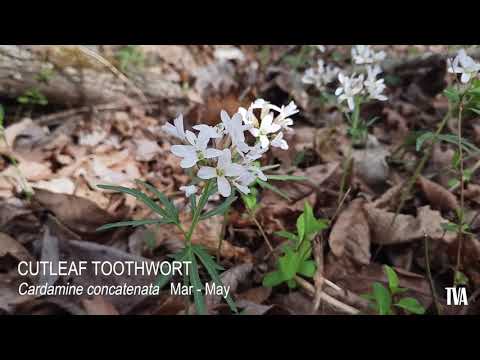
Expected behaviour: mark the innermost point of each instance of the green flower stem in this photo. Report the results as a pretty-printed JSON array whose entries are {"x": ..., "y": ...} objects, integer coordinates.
[
  {"x": 198, "y": 210},
  {"x": 462, "y": 198}
]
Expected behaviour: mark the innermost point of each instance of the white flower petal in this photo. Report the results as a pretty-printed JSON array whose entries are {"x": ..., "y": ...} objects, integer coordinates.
[
  {"x": 179, "y": 125},
  {"x": 212, "y": 153},
  {"x": 182, "y": 150},
  {"x": 255, "y": 132},
  {"x": 189, "y": 190},
  {"x": 264, "y": 141},
  {"x": 188, "y": 162},
  {"x": 224, "y": 187},
  {"x": 207, "y": 172},
  {"x": 234, "y": 170},
  {"x": 244, "y": 189},
  {"x": 465, "y": 78}
]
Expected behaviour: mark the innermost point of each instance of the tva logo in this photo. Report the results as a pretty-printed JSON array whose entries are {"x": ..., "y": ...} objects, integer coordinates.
[{"x": 457, "y": 296}]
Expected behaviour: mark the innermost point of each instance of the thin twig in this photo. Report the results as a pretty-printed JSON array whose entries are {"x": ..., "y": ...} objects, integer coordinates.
[
  {"x": 259, "y": 226},
  {"x": 318, "y": 279},
  {"x": 429, "y": 275},
  {"x": 310, "y": 289}
]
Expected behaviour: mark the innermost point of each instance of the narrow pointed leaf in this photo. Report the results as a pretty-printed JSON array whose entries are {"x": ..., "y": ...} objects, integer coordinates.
[
  {"x": 169, "y": 206},
  {"x": 221, "y": 209},
  {"x": 132, "y": 223},
  {"x": 138, "y": 195}
]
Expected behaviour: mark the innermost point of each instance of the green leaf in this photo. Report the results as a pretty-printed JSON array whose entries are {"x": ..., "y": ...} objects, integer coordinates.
[
  {"x": 287, "y": 235},
  {"x": 221, "y": 209},
  {"x": 411, "y": 305},
  {"x": 301, "y": 227},
  {"x": 288, "y": 264},
  {"x": 449, "y": 226},
  {"x": 452, "y": 95},
  {"x": 206, "y": 258},
  {"x": 23, "y": 100},
  {"x": 292, "y": 284},
  {"x": 273, "y": 279},
  {"x": 398, "y": 290},
  {"x": 250, "y": 200},
  {"x": 198, "y": 296},
  {"x": 453, "y": 139},
  {"x": 169, "y": 206},
  {"x": 453, "y": 182},
  {"x": 311, "y": 225},
  {"x": 460, "y": 278},
  {"x": 163, "y": 279},
  {"x": 382, "y": 298},
  {"x": 307, "y": 268},
  {"x": 268, "y": 167},
  {"x": 132, "y": 223},
  {"x": 393, "y": 282},
  {"x": 456, "y": 159},
  {"x": 273, "y": 188},
  {"x": 476, "y": 111},
  {"x": 193, "y": 203},
  {"x": 139, "y": 196},
  {"x": 286, "y": 177},
  {"x": 422, "y": 138},
  {"x": 212, "y": 267}
]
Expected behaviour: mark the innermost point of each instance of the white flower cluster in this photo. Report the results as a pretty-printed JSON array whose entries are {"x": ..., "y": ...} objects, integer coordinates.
[
  {"x": 369, "y": 86},
  {"x": 353, "y": 85},
  {"x": 363, "y": 54},
  {"x": 231, "y": 160},
  {"x": 465, "y": 65},
  {"x": 321, "y": 75}
]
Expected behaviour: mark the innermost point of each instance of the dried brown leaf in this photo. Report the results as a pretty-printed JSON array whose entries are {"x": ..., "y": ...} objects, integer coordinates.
[
  {"x": 437, "y": 195},
  {"x": 99, "y": 306},
  {"x": 406, "y": 227},
  {"x": 9, "y": 245},
  {"x": 350, "y": 235}
]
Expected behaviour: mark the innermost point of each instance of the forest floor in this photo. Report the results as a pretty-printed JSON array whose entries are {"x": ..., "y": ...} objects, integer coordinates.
[{"x": 58, "y": 149}]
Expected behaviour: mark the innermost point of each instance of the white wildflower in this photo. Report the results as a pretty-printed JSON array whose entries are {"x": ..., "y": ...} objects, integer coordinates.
[
  {"x": 266, "y": 127},
  {"x": 465, "y": 65},
  {"x": 283, "y": 118},
  {"x": 349, "y": 87},
  {"x": 225, "y": 168},
  {"x": 212, "y": 132},
  {"x": 373, "y": 86},
  {"x": 235, "y": 128},
  {"x": 279, "y": 142},
  {"x": 196, "y": 151},
  {"x": 177, "y": 130},
  {"x": 363, "y": 54},
  {"x": 189, "y": 190},
  {"x": 320, "y": 76}
]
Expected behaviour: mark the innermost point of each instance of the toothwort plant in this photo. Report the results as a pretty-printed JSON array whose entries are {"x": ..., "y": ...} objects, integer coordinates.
[{"x": 221, "y": 159}]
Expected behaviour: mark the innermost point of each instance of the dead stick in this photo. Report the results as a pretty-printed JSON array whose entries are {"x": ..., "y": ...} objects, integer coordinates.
[{"x": 310, "y": 289}]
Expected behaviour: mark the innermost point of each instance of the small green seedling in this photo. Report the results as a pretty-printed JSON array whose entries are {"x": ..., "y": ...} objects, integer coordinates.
[
  {"x": 130, "y": 57},
  {"x": 33, "y": 97},
  {"x": 296, "y": 258},
  {"x": 385, "y": 300}
]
